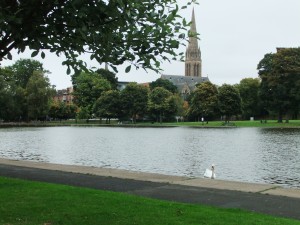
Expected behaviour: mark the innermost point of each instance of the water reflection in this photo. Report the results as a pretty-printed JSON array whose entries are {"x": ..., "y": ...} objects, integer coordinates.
[{"x": 243, "y": 154}]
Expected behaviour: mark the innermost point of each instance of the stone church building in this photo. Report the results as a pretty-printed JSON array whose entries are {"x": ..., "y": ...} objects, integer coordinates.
[{"x": 193, "y": 66}]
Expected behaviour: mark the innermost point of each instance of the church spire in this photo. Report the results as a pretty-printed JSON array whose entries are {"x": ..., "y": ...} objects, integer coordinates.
[
  {"x": 193, "y": 30},
  {"x": 193, "y": 62}
]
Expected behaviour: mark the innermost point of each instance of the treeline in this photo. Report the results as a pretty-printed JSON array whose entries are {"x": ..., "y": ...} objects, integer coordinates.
[
  {"x": 98, "y": 96},
  {"x": 26, "y": 94},
  {"x": 274, "y": 94}
]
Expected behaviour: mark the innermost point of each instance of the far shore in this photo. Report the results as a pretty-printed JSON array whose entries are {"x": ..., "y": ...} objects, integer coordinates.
[{"x": 115, "y": 123}]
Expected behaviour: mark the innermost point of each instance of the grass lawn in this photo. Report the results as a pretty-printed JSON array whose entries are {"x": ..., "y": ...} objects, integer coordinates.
[
  {"x": 32, "y": 203},
  {"x": 244, "y": 123}
]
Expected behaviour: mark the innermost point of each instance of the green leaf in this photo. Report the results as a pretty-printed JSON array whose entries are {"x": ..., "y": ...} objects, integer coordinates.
[
  {"x": 9, "y": 56},
  {"x": 128, "y": 68},
  {"x": 22, "y": 48},
  {"x": 33, "y": 54},
  {"x": 114, "y": 68},
  {"x": 181, "y": 36},
  {"x": 43, "y": 55},
  {"x": 68, "y": 70}
]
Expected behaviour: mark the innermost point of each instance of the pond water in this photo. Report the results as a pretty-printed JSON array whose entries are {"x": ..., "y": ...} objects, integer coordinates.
[{"x": 240, "y": 154}]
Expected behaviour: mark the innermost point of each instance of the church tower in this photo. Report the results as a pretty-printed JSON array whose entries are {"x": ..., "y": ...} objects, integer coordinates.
[{"x": 193, "y": 62}]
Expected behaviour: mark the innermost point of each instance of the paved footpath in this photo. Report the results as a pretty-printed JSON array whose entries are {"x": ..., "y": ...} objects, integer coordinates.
[{"x": 263, "y": 198}]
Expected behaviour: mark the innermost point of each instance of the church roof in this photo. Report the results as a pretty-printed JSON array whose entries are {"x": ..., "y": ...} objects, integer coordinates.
[
  {"x": 181, "y": 81},
  {"x": 177, "y": 79}
]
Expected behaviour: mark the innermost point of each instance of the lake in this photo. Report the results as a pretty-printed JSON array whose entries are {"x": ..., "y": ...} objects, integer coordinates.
[{"x": 261, "y": 155}]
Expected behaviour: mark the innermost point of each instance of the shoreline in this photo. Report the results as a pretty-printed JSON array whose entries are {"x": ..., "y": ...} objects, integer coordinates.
[
  {"x": 139, "y": 125},
  {"x": 267, "y": 189}
]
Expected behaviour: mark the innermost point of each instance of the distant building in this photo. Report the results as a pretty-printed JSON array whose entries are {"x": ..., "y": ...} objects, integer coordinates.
[
  {"x": 184, "y": 84},
  {"x": 64, "y": 95},
  {"x": 193, "y": 66},
  {"x": 121, "y": 85}
]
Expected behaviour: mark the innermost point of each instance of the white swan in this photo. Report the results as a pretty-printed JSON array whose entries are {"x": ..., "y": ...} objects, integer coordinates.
[{"x": 210, "y": 173}]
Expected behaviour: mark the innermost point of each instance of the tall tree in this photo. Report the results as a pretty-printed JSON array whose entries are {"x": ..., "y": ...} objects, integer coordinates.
[
  {"x": 180, "y": 107},
  {"x": 280, "y": 81},
  {"x": 204, "y": 102},
  {"x": 9, "y": 108},
  {"x": 112, "y": 31},
  {"x": 174, "y": 107},
  {"x": 249, "y": 89},
  {"x": 109, "y": 76},
  {"x": 134, "y": 99},
  {"x": 108, "y": 105},
  {"x": 229, "y": 101},
  {"x": 55, "y": 110},
  {"x": 23, "y": 69},
  {"x": 161, "y": 102},
  {"x": 166, "y": 84},
  {"x": 62, "y": 110},
  {"x": 88, "y": 87},
  {"x": 39, "y": 94}
]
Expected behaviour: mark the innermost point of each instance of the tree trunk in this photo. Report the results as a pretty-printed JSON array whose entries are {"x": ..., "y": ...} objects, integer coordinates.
[
  {"x": 160, "y": 118},
  {"x": 134, "y": 118},
  {"x": 279, "y": 117}
]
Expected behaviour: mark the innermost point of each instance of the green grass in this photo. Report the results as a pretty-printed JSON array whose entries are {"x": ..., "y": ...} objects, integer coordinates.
[
  {"x": 248, "y": 123},
  {"x": 35, "y": 203},
  {"x": 256, "y": 123}
]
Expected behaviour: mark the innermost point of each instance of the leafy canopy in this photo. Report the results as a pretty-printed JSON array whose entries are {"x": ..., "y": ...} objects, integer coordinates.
[
  {"x": 159, "y": 99},
  {"x": 143, "y": 32},
  {"x": 109, "y": 76},
  {"x": 204, "y": 101},
  {"x": 229, "y": 100},
  {"x": 108, "y": 105},
  {"x": 280, "y": 81},
  {"x": 39, "y": 94},
  {"x": 23, "y": 69},
  {"x": 134, "y": 100},
  {"x": 15, "y": 99},
  {"x": 168, "y": 85},
  {"x": 88, "y": 87},
  {"x": 249, "y": 89}
]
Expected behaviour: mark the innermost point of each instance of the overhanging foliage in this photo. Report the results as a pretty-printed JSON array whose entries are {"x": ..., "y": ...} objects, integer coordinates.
[{"x": 143, "y": 32}]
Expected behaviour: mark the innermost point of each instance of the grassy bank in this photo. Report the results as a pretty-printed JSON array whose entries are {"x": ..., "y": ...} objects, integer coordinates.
[
  {"x": 256, "y": 123},
  {"x": 32, "y": 203}
]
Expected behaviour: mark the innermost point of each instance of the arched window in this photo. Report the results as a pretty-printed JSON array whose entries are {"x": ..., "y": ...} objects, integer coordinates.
[{"x": 189, "y": 70}]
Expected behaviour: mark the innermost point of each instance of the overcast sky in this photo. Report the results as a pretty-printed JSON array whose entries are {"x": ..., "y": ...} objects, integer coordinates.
[{"x": 235, "y": 35}]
